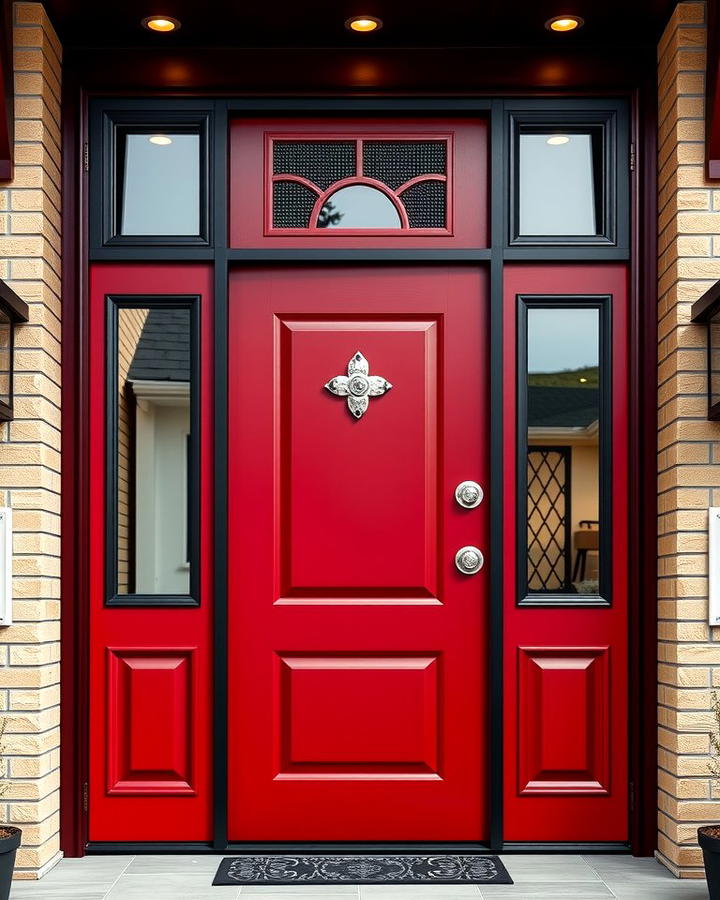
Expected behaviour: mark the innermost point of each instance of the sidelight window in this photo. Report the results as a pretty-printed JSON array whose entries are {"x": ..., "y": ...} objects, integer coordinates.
[
  {"x": 152, "y": 451},
  {"x": 563, "y": 398}
]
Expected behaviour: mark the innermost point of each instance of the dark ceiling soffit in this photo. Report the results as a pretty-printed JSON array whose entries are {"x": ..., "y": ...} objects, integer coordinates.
[
  {"x": 379, "y": 71},
  {"x": 15, "y": 307},
  {"x": 706, "y": 306},
  {"x": 7, "y": 113}
]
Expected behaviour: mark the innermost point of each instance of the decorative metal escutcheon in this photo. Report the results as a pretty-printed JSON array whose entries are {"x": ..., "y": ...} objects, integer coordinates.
[
  {"x": 469, "y": 560},
  {"x": 469, "y": 494},
  {"x": 358, "y": 386}
]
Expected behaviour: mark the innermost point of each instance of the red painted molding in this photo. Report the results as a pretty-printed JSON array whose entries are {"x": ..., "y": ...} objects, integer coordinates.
[{"x": 7, "y": 112}]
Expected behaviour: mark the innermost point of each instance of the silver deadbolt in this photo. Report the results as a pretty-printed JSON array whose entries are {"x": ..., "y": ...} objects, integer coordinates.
[
  {"x": 469, "y": 494},
  {"x": 469, "y": 560}
]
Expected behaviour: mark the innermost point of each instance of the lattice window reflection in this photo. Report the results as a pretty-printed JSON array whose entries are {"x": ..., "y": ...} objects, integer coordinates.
[
  {"x": 548, "y": 519},
  {"x": 384, "y": 185}
]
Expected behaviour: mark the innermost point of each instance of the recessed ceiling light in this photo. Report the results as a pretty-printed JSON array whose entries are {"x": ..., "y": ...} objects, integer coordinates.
[
  {"x": 556, "y": 139},
  {"x": 364, "y": 23},
  {"x": 564, "y": 23},
  {"x": 162, "y": 140},
  {"x": 161, "y": 23}
]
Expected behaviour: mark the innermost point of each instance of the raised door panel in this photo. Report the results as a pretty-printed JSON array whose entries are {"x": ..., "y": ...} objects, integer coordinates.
[
  {"x": 564, "y": 733},
  {"x": 385, "y": 716},
  {"x": 343, "y": 500},
  {"x": 150, "y": 694}
]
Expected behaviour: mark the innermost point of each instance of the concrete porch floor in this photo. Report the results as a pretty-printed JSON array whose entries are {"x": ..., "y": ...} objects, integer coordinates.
[{"x": 190, "y": 877}]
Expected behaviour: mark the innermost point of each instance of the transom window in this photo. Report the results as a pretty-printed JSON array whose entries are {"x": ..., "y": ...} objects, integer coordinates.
[{"x": 387, "y": 183}]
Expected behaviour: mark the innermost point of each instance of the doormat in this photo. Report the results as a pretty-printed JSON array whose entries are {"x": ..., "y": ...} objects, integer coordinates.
[{"x": 362, "y": 870}]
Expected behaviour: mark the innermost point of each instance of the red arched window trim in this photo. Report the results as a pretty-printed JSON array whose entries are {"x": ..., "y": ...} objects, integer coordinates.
[{"x": 394, "y": 195}]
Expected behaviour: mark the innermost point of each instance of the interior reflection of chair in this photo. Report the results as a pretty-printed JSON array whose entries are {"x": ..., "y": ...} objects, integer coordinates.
[{"x": 585, "y": 540}]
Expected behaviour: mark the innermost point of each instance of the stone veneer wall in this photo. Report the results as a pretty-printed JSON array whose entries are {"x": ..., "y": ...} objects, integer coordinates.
[
  {"x": 30, "y": 448},
  {"x": 689, "y": 447}
]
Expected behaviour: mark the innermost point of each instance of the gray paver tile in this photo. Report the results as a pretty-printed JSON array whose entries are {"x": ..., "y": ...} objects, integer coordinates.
[
  {"x": 549, "y": 868},
  {"x": 164, "y": 886},
  {"x": 546, "y": 891},
  {"x": 172, "y": 864}
]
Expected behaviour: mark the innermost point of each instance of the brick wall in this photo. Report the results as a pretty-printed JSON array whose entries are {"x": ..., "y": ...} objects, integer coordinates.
[
  {"x": 689, "y": 447},
  {"x": 30, "y": 447}
]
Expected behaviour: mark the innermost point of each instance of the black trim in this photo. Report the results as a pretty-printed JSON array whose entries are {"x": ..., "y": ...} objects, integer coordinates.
[
  {"x": 359, "y": 255},
  {"x": 99, "y": 848},
  {"x": 220, "y": 476},
  {"x": 109, "y": 120},
  {"x": 705, "y": 311},
  {"x": 15, "y": 306},
  {"x": 115, "y": 302},
  {"x": 496, "y": 730},
  {"x": 588, "y": 848},
  {"x": 604, "y": 306},
  {"x": 608, "y": 119}
]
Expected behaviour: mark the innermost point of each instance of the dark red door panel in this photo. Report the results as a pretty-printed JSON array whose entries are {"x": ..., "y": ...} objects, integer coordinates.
[
  {"x": 566, "y": 665},
  {"x": 357, "y": 657},
  {"x": 150, "y": 668}
]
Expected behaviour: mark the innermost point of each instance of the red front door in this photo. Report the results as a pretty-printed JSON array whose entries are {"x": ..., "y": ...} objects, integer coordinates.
[{"x": 357, "y": 650}]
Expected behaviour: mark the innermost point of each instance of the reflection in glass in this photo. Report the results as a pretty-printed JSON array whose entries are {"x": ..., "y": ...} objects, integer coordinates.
[
  {"x": 557, "y": 189},
  {"x": 359, "y": 206},
  {"x": 153, "y": 416},
  {"x": 563, "y": 471},
  {"x": 160, "y": 184}
]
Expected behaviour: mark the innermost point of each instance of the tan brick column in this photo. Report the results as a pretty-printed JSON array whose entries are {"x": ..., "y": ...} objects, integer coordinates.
[
  {"x": 689, "y": 447},
  {"x": 30, "y": 445}
]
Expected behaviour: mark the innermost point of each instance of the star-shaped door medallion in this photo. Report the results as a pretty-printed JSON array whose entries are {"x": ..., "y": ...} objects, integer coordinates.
[{"x": 358, "y": 386}]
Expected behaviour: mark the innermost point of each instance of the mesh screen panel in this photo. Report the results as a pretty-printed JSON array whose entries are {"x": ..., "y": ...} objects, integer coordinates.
[
  {"x": 323, "y": 163},
  {"x": 292, "y": 204},
  {"x": 395, "y": 162},
  {"x": 425, "y": 204}
]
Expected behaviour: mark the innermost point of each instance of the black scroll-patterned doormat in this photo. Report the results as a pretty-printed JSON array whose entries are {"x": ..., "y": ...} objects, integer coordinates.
[{"x": 435, "y": 869}]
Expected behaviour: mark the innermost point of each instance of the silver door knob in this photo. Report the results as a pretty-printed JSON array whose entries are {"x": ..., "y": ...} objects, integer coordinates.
[
  {"x": 469, "y": 560},
  {"x": 469, "y": 494}
]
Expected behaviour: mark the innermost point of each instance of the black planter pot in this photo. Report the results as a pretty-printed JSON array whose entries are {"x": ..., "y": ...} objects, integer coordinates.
[
  {"x": 8, "y": 849},
  {"x": 711, "y": 857}
]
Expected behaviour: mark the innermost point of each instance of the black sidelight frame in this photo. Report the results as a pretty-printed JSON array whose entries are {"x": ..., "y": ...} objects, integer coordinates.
[
  {"x": 498, "y": 110},
  {"x": 607, "y": 121},
  {"x": 109, "y": 123},
  {"x": 603, "y": 303},
  {"x": 113, "y": 304}
]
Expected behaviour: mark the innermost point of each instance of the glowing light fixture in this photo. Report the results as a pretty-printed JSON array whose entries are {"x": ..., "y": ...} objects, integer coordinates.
[
  {"x": 161, "y": 23},
  {"x": 162, "y": 140},
  {"x": 364, "y": 23},
  {"x": 583, "y": 380},
  {"x": 555, "y": 140},
  {"x": 564, "y": 23}
]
